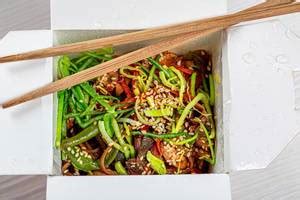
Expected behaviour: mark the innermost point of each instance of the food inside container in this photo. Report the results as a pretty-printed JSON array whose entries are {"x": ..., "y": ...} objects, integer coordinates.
[{"x": 155, "y": 116}]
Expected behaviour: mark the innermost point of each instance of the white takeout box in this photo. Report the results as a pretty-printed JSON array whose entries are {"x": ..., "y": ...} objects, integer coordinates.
[{"x": 257, "y": 75}]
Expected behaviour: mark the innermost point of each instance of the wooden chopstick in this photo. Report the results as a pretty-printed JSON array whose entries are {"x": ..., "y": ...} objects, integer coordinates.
[
  {"x": 138, "y": 36},
  {"x": 140, "y": 54}
]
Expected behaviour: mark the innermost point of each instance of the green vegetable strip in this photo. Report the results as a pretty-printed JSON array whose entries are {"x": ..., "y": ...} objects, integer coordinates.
[
  {"x": 211, "y": 90},
  {"x": 162, "y": 136},
  {"x": 193, "y": 83},
  {"x": 111, "y": 156},
  {"x": 150, "y": 78},
  {"x": 141, "y": 83},
  {"x": 155, "y": 77},
  {"x": 180, "y": 122},
  {"x": 99, "y": 56},
  {"x": 78, "y": 120},
  {"x": 81, "y": 160},
  {"x": 140, "y": 117},
  {"x": 71, "y": 115},
  {"x": 89, "y": 109},
  {"x": 128, "y": 133},
  {"x": 86, "y": 64},
  {"x": 120, "y": 169},
  {"x": 64, "y": 64},
  {"x": 212, "y": 161},
  {"x": 156, "y": 64},
  {"x": 187, "y": 141},
  {"x": 159, "y": 112},
  {"x": 60, "y": 111},
  {"x": 182, "y": 83},
  {"x": 64, "y": 121},
  {"x": 166, "y": 82},
  {"x": 81, "y": 59},
  {"x": 91, "y": 91},
  {"x": 108, "y": 124},
  {"x": 129, "y": 121},
  {"x": 122, "y": 71},
  {"x": 117, "y": 131},
  {"x": 106, "y": 137},
  {"x": 156, "y": 164},
  {"x": 81, "y": 137}
]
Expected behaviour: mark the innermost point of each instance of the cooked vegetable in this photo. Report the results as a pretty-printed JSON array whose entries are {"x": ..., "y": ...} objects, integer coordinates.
[
  {"x": 120, "y": 169},
  {"x": 156, "y": 164},
  {"x": 81, "y": 137},
  {"x": 151, "y": 117}
]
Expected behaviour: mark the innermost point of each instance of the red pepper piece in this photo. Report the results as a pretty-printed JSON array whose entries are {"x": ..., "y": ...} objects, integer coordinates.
[
  {"x": 158, "y": 147},
  {"x": 125, "y": 87},
  {"x": 185, "y": 70}
]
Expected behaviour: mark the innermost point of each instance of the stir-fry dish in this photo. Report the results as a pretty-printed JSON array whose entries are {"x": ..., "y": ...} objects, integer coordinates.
[{"x": 152, "y": 117}]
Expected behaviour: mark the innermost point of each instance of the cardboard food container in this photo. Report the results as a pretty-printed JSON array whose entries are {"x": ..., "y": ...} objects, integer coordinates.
[{"x": 257, "y": 95}]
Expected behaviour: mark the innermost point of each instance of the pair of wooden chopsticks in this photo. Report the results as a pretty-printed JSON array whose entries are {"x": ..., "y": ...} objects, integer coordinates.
[{"x": 178, "y": 35}]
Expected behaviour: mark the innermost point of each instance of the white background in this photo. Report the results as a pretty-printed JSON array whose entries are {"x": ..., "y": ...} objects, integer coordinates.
[{"x": 281, "y": 180}]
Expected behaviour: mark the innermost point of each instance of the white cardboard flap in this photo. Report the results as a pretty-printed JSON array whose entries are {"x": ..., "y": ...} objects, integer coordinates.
[
  {"x": 212, "y": 187},
  {"x": 130, "y": 14},
  {"x": 26, "y": 130},
  {"x": 260, "y": 108}
]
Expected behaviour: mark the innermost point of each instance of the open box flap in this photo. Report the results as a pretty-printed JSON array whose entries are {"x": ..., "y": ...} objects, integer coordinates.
[
  {"x": 130, "y": 14},
  {"x": 212, "y": 186},
  {"x": 261, "y": 108},
  {"x": 26, "y": 130}
]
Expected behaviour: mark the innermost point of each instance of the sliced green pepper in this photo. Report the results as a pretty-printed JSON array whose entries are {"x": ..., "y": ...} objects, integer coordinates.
[
  {"x": 81, "y": 160},
  {"x": 159, "y": 112},
  {"x": 156, "y": 164},
  {"x": 120, "y": 169},
  {"x": 81, "y": 137}
]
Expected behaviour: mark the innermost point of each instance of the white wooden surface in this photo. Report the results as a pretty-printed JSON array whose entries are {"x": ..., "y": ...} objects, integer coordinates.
[{"x": 281, "y": 180}]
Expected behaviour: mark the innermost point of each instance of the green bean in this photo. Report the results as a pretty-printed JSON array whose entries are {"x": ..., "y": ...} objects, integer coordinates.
[
  {"x": 155, "y": 77},
  {"x": 98, "y": 56},
  {"x": 86, "y": 64},
  {"x": 162, "y": 136},
  {"x": 117, "y": 131},
  {"x": 64, "y": 122},
  {"x": 91, "y": 91},
  {"x": 71, "y": 115},
  {"x": 111, "y": 156},
  {"x": 81, "y": 160},
  {"x": 81, "y": 59},
  {"x": 156, "y": 64},
  {"x": 77, "y": 118},
  {"x": 193, "y": 83},
  {"x": 120, "y": 169},
  {"x": 81, "y": 137},
  {"x": 60, "y": 111},
  {"x": 78, "y": 93},
  {"x": 108, "y": 124},
  {"x": 106, "y": 137},
  {"x": 63, "y": 66},
  {"x": 188, "y": 140}
]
